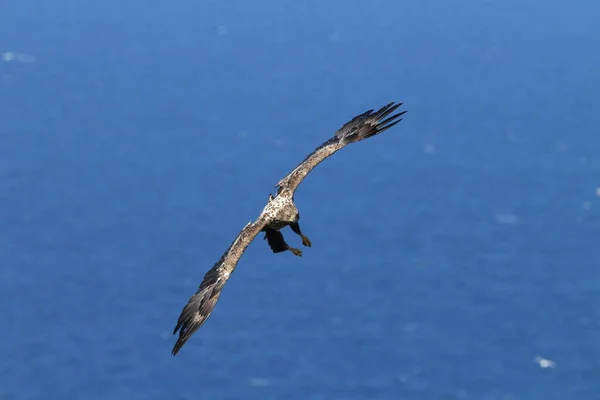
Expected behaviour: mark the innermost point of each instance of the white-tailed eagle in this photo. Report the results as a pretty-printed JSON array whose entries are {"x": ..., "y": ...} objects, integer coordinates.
[{"x": 279, "y": 212}]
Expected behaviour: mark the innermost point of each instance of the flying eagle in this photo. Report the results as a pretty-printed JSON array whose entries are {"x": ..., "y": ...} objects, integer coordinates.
[{"x": 279, "y": 212}]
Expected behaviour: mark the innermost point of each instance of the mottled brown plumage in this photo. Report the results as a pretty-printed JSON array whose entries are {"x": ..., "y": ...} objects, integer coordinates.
[{"x": 279, "y": 212}]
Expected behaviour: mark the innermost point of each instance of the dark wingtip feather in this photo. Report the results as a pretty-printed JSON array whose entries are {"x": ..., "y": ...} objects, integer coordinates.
[
  {"x": 179, "y": 344},
  {"x": 187, "y": 325},
  {"x": 369, "y": 124},
  {"x": 391, "y": 121},
  {"x": 386, "y": 110},
  {"x": 199, "y": 307},
  {"x": 191, "y": 319}
]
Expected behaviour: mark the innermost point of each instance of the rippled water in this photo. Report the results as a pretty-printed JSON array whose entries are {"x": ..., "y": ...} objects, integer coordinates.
[{"x": 454, "y": 257}]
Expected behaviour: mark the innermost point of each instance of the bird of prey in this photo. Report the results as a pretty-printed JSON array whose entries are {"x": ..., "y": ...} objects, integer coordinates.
[{"x": 279, "y": 212}]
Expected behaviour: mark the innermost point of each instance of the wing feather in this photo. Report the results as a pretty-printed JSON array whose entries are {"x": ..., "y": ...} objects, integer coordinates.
[
  {"x": 200, "y": 305},
  {"x": 360, "y": 127}
]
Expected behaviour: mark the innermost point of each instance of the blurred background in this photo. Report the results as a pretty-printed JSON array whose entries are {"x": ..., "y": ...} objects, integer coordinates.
[{"x": 456, "y": 256}]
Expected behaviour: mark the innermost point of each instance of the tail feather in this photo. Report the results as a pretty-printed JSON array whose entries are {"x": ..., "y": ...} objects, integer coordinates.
[{"x": 369, "y": 124}]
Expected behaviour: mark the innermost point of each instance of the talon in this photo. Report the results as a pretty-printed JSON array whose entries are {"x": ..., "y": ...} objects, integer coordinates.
[
  {"x": 306, "y": 241},
  {"x": 297, "y": 252}
]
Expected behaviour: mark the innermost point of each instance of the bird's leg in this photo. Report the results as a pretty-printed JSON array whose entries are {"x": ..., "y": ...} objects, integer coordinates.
[
  {"x": 296, "y": 228},
  {"x": 297, "y": 252}
]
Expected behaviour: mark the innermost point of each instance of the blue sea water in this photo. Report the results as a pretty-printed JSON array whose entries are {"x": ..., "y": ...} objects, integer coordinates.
[{"x": 456, "y": 256}]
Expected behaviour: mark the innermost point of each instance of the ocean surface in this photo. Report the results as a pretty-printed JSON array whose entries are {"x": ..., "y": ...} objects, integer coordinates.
[{"x": 456, "y": 256}]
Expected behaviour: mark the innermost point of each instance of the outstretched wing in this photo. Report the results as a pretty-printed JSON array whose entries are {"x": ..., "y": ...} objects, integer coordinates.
[
  {"x": 361, "y": 127},
  {"x": 200, "y": 305}
]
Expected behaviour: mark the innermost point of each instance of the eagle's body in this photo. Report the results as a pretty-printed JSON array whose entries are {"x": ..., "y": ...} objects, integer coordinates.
[{"x": 279, "y": 212}]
